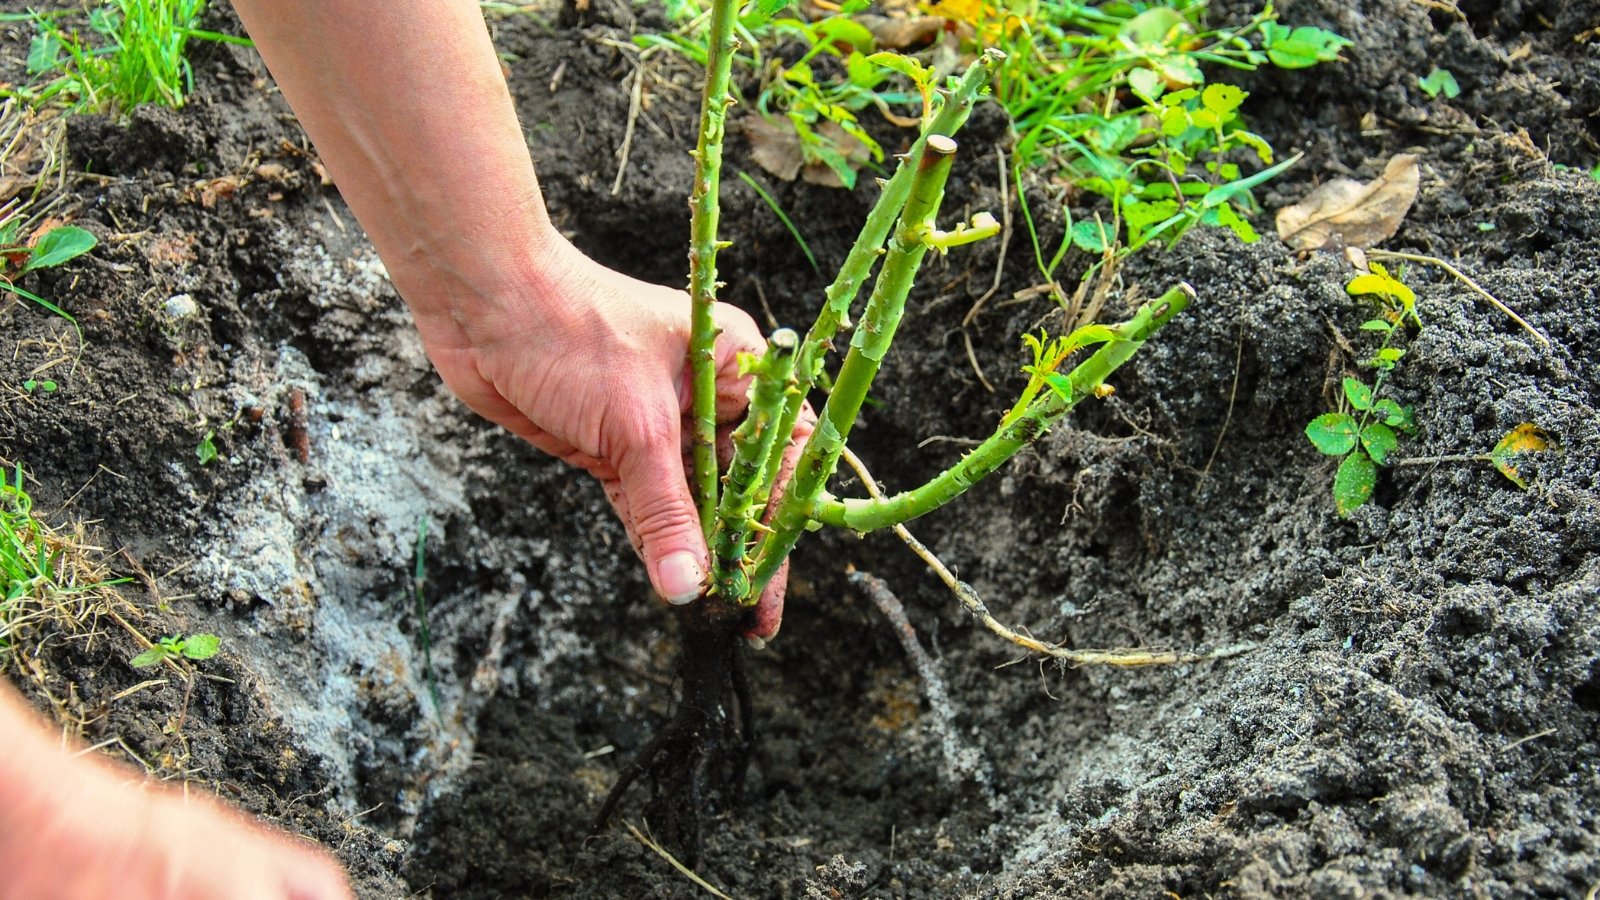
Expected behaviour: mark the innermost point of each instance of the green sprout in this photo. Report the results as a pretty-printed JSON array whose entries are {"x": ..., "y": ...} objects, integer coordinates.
[
  {"x": 134, "y": 53},
  {"x": 195, "y": 647},
  {"x": 54, "y": 247},
  {"x": 1440, "y": 81},
  {"x": 1365, "y": 433},
  {"x": 206, "y": 450}
]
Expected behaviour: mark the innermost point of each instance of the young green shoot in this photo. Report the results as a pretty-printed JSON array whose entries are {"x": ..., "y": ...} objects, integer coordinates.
[
  {"x": 195, "y": 646},
  {"x": 135, "y": 52},
  {"x": 1366, "y": 430}
]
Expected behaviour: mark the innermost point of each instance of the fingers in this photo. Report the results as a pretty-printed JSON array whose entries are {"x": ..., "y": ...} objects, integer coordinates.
[
  {"x": 651, "y": 494},
  {"x": 768, "y": 615}
]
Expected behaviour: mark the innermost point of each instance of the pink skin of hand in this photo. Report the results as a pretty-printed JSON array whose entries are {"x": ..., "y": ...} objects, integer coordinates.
[{"x": 75, "y": 827}]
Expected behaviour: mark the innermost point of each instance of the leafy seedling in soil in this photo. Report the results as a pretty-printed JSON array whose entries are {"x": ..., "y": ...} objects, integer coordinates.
[
  {"x": 1365, "y": 433},
  {"x": 696, "y": 764},
  {"x": 51, "y": 248},
  {"x": 195, "y": 647},
  {"x": 43, "y": 574},
  {"x": 134, "y": 52},
  {"x": 43, "y": 387},
  {"x": 1440, "y": 81}
]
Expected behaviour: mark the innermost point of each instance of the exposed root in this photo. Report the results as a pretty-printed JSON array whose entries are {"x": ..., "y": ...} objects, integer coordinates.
[
  {"x": 696, "y": 764},
  {"x": 1126, "y": 658}
]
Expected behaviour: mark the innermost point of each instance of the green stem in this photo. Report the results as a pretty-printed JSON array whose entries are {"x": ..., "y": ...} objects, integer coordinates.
[
  {"x": 704, "y": 213},
  {"x": 857, "y": 265},
  {"x": 752, "y": 441},
  {"x": 869, "y": 515},
  {"x": 867, "y": 348}
]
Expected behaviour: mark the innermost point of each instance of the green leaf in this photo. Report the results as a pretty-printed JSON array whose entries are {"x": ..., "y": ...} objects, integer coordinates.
[
  {"x": 1359, "y": 395},
  {"x": 201, "y": 646},
  {"x": 1146, "y": 84},
  {"x": 862, "y": 73},
  {"x": 908, "y": 66},
  {"x": 1302, "y": 47},
  {"x": 44, "y": 52},
  {"x": 1141, "y": 217},
  {"x": 844, "y": 30},
  {"x": 1353, "y": 483},
  {"x": 764, "y": 10},
  {"x": 1090, "y": 236},
  {"x": 150, "y": 657},
  {"x": 1382, "y": 325},
  {"x": 1379, "y": 441},
  {"x": 1061, "y": 384},
  {"x": 1333, "y": 433},
  {"x": 206, "y": 452},
  {"x": 1386, "y": 357},
  {"x": 1440, "y": 81},
  {"x": 1394, "y": 414},
  {"x": 1222, "y": 99},
  {"x": 1226, "y": 217},
  {"x": 58, "y": 245}
]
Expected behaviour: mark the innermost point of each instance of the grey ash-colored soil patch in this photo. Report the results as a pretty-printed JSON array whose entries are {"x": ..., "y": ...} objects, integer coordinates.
[{"x": 1419, "y": 717}]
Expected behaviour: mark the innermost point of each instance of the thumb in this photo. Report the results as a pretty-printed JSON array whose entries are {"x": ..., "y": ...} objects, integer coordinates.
[{"x": 661, "y": 513}]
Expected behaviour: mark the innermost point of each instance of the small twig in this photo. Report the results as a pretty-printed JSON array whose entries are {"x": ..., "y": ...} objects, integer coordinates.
[
  {"x": 969, "y": 598},
  {"x": 687, "y": 872},
  {"x": 1233, "y": 393},
  {"x": 1532, "y": 737},
  {"x": 972, "y": 357},
  {"x": 1462, "y": 277},
  {"x": 1005, "y": 241},
  {"x": 635, "y": 101}
]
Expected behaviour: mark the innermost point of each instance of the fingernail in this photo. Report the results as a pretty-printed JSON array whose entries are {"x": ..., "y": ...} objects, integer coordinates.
[
  {"x": 755, "y": 642},
  {"x": 679, "y": 577}
]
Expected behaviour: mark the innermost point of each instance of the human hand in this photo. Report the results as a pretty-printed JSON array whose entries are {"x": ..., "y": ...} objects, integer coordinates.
[
  {"x": 94, "y": 831},
  {"x": 591, "y": 366}
]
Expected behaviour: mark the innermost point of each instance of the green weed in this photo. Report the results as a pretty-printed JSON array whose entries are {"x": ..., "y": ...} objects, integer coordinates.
[
  {"x": 1367, "y": 431},
  {"x": 1440, "y": 81},
  {"x": 195, "y": 646},
  {"x": 54, "y": 247},
  {"x": 133, "y": 52},
  {"x": 45, "y": 576}
]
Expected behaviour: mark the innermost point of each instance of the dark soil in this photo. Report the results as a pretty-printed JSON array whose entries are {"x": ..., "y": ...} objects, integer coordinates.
[{"x": 1421, "y": 713}]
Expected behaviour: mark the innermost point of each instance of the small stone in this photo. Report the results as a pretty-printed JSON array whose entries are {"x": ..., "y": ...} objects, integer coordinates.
[{"x": 180, "y": 306}]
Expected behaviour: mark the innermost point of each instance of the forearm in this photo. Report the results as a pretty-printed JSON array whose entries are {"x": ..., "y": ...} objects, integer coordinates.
[{"x": 409, "y": 110}]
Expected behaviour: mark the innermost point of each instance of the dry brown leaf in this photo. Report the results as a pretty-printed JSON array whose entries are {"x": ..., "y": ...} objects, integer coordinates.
[
  {"x": 774, "y": 145},
  {"x": 855, "y": 153},
  {"x": 1353, "y": 213},
  {"x": 898, "y": 33}
]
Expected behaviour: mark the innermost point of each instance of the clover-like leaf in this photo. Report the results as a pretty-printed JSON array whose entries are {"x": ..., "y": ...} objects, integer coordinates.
[
  {"x": 150, "y": 657},
  {"x": 1359, "y": 395},
  {"x": 1379, "y": 441},
  {"x": 1333, "y": 433},
  {"x": 1353, "y": 483},
  {"x": 201, "y": 646}
]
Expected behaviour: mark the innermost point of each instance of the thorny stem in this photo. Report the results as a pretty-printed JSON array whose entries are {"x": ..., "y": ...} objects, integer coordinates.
[
  {"x": 869, "y": 515},
  {"x": 752, "y": 441},
  {"x": 704, "y": 213},
  {"x": 841, "y": 294},
  {"x": 867, "y": 348}
]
